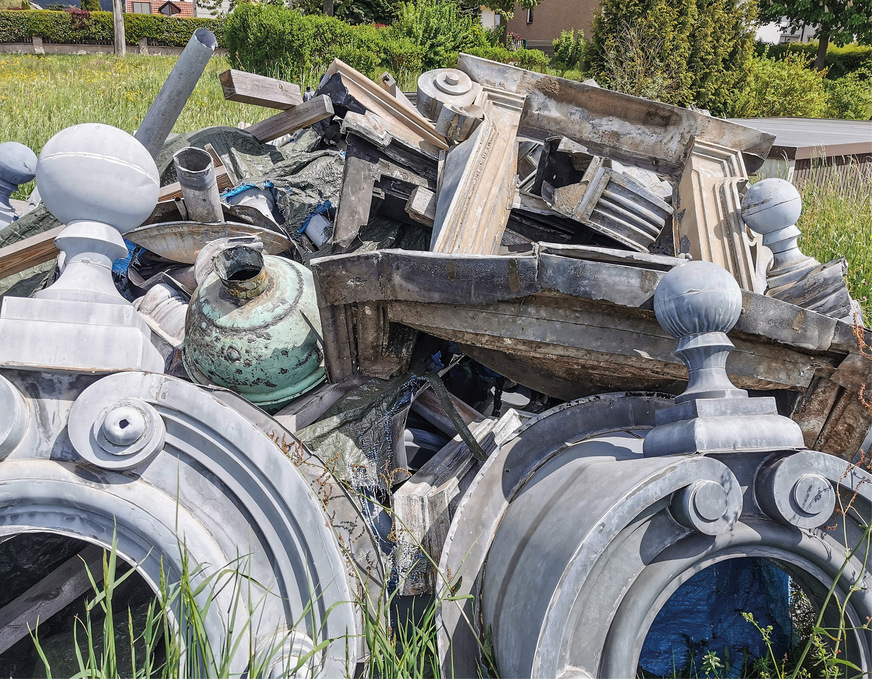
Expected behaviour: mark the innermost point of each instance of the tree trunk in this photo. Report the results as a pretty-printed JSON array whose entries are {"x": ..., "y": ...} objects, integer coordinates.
[
  {"x": 327, "y": 7},
  {"x": 820, "y": 63}
]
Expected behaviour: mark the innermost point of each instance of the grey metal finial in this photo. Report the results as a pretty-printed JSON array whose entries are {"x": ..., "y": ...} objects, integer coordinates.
[
  {"x": 698, "y": 303},
  {"x": 17, "y": 166},
  {"x": 100, "y": 182},
  {"x": 771, "y": 207}
]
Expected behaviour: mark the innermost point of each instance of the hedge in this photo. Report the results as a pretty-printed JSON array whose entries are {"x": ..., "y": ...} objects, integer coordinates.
[
  {"x": 284, "y": 43},
  {"x": 840, "y": 61},
  {"x": 79, "y": 27}
]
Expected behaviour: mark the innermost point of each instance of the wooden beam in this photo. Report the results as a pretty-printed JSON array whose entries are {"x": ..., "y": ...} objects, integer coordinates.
[
  {"x": 54, "y": 592},
  {"x": 302, "y": 115},
  {"x": 28, "y": 252},
  {"x": 248, "y": 88},
  {"x": 118, "y": 27}
]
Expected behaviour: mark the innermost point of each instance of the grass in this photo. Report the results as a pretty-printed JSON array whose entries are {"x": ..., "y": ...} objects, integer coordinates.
[
  {"x": 41, "y": 95},
  {"x": 836, "y": 221}
]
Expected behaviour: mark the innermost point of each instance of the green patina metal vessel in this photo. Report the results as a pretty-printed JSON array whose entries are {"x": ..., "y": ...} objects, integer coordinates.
[{"x": 253, "y": 327}]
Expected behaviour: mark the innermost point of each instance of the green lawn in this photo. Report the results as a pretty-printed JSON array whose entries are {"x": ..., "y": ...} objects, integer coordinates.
[{"x": 41, "y": 95}]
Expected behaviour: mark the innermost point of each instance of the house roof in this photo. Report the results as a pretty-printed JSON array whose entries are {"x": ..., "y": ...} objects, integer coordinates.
[{"x": 798, "y": 138}]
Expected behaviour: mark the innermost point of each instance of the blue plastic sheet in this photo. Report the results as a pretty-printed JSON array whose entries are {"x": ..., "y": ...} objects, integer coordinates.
[{"x": 705, "y": 614}]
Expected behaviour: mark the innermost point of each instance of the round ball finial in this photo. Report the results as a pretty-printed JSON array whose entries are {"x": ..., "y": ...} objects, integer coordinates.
[
  {"x": 17, "y": 163},
  {"x": 97, "y": 173},
  {"x": 771, "y": 205},
  {"x": 697, "y": 297}
]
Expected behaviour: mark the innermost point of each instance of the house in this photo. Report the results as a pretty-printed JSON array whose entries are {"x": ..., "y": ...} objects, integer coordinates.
[
  {"x": 168, "y": 8},
  {"x": 537, "y": 28}
]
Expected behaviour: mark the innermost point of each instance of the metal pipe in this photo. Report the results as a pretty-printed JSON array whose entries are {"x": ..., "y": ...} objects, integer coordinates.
[
  {"x": 196, "y": 174},
  {"x": 17, "y": 166},
  {"x": 174, "y": 94}
]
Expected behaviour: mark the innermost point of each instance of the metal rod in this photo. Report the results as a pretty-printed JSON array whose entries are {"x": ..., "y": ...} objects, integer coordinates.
[
  {"x": 174, "y": 94},
  {"x": 196, "y": 174}
]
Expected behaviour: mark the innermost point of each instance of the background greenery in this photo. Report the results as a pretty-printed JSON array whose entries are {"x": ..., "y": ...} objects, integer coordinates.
[{"x": 78, "y": 26}]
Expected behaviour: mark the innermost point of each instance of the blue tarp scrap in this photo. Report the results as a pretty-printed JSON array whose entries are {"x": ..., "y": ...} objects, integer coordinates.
[
  {"x": 120, "y": 265},
  {"x": 319, "y": 210},
  {"x": 705, "y": 614},
  {"x": 236, "y": 190}
]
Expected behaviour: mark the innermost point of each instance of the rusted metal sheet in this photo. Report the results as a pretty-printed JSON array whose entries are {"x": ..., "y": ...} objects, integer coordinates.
[{"x": 566, "y": 325}]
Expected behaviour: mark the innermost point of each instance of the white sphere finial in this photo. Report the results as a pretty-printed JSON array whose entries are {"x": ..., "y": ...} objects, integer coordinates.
[{"x": 97, "y": 173}]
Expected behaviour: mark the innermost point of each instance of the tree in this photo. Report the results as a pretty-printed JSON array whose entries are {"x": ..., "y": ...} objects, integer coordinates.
[
  {"x": 680, "y": 52},
  {"x": 838, "y": 21},
  {"x": 91, "y": 5}
]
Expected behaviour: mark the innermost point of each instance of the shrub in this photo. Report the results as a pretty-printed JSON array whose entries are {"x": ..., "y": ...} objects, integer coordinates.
[
  {"x": 785, "y": 87},
  {"x": 569, "y": 51},
  {"x": 840, "y": 61},
  {"x": 682, "y": 52},
  {"x": 276, "y": 41},
  {"x": 90, "y": 27},
  {"x": 440, "y": 29},
  {"x": 91, "y": 5},
  {"x": 851, "y": 96},
  {"x": 533, "y": 60}
]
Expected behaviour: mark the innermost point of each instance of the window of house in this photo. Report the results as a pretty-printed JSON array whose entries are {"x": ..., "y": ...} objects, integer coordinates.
[
  {"x": 169, "y": 9},
  {"x": 529, "y": 16},
  {"x": 142, "y": 8}
]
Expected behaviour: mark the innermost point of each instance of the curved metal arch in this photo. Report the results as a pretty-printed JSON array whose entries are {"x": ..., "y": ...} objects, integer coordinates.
[
  {"x": 627, "y": 511},
  {"x": 808, "y": 552},
  {"x": 209, "y": 458},
  {"x": 483, "y": 505},
  {"x": 47, "y": 497}
]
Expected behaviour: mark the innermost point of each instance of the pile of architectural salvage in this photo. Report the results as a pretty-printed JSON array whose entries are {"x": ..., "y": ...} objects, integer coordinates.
[{"x": 404, "y": 280}]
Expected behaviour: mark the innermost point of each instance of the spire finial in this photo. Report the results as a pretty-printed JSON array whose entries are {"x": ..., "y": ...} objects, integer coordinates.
[{"x": 698, "y": 303}]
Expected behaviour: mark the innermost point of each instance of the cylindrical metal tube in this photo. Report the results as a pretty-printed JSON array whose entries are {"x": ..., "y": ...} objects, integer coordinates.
[
  {"x": 196, "y": 174},
  {"x": 174, "y": 94}
]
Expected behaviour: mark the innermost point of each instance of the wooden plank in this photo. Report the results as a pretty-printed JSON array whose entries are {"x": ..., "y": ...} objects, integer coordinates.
[
  {"x": 249, "y": 88},
  {"x": 28, "y": 252},
  {"x": 302, "y": 115},
  {"x": 51, "y": 594}
]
